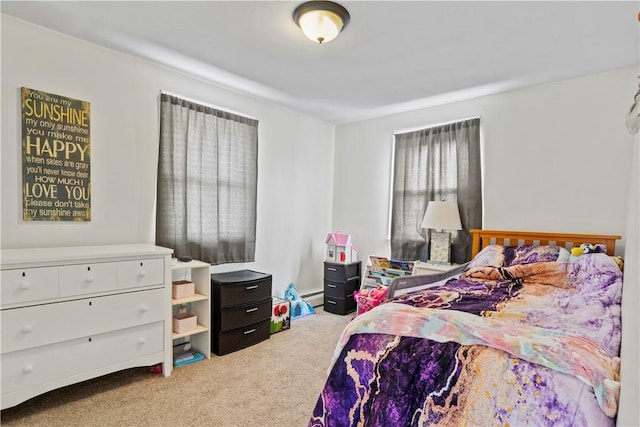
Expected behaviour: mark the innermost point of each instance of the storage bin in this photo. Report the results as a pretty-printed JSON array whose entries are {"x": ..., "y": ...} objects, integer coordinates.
[
  {"x": 184, "y": 322},
  {"x": 183, "y": 289}
]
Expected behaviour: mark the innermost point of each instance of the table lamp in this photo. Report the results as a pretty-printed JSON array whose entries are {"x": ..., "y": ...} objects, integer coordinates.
[{"x": 441, "y": 216}]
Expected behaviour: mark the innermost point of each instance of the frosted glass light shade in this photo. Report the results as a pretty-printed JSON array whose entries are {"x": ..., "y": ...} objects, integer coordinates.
[
  {"x": 321, "y": 21},
  {"x": 320, "y": 25}
]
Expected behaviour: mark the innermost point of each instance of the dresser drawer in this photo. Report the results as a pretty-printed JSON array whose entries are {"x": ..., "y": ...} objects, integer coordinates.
[
  {"x": 238, "y": 317},
  {"x": 44, "y": 324},
  {"x": 239, "y": 288},
  {"x": 341, "y": 272},
  {"x": 87, "y": 278},
  {"x": 237, "y": 339},
  {"x": 341, "y": 289},
  {"x": 144, "y": 272},
  {"x": 29, "y": 284},
  {"x": 28, "y": 368},
  {"x": 340, "y": 305}
]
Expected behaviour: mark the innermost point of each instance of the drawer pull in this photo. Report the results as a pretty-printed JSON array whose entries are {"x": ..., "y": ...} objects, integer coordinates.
[
  {"x": 251, "y": 287},
  {"x": 27, "y": 328},
  {"x": 250, "y": 331},
  {"x": 142, "y": 341},
  {"x": 331, "y": 302},
  {"x": 142, "y": 273},
  {"x": 27, "y": 369},
  {"x": 331, "y": 286},
  {"x": 90, "y": 279},
  {"x": 143, "y": 308},
  {"x": 332, "y": 269},
  {"x": 25, "y": 285},
  {"x": 249, "y": 310}
]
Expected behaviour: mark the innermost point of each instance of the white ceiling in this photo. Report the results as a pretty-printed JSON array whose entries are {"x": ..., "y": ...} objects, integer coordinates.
[{"x": 393, "y": 56}]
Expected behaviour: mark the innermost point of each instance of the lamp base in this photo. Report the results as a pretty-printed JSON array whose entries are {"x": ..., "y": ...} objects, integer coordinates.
[{"x": 440, "y": 247}]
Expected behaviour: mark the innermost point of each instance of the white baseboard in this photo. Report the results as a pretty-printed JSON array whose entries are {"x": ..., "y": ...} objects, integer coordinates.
[{"x": 316, "y": 299}]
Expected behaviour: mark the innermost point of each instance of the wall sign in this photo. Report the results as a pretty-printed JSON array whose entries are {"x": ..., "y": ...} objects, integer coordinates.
[{"x": 56, "y": 157}]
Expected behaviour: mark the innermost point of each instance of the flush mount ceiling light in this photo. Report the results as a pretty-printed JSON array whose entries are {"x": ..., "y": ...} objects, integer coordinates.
[{"x": 321, "y": 21}]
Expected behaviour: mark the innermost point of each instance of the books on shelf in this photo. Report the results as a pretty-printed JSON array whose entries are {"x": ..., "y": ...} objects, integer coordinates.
[
  {"x": 187, "y": 357},
  {"x": 381, "y": 270}
]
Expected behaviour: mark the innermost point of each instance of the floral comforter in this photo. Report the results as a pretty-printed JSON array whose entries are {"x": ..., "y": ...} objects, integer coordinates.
[{"x": 532, "y": 343}]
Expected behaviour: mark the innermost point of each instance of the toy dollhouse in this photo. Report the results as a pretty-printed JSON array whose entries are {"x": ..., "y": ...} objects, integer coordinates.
[{"x": 339, "y": 248}]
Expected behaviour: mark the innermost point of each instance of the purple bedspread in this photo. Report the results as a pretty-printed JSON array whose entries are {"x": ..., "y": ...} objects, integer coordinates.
[{"x": 393, "y": 380}]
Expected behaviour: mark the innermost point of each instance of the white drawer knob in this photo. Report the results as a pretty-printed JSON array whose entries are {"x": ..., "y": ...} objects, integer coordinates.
[
  {"x": 144, "y": 308},
  {"x": 142, "y": 340},
  {"x": 90, "y": 279},
  {"x": 25, "y": 285},
  {"x": 27, "y": 328},
  {"x": 141, "y": 273},
  {"x": 27, "y": 369}
]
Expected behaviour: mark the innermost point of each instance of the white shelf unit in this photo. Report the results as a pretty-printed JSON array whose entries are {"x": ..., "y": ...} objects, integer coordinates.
[{"x": 199, "y": 303}]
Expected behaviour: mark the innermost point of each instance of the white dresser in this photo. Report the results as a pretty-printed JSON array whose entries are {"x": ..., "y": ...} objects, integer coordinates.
[{"x": 74, "y": 313}]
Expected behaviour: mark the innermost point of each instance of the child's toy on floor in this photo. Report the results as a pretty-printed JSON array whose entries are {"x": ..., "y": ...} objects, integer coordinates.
[
  {"x": 299, "y": 307},
  {"x": 370, "y": 298}
]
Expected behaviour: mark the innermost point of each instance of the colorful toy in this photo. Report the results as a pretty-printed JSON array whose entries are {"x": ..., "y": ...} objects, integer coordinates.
[
  {"x": 299, "y": 307},
  {"x": 586, "y": 248},
  {"x": 370, "y": 298}
]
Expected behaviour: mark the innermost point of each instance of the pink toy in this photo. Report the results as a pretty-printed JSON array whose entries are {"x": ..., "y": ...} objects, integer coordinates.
[{"x": 369, "y": 298}]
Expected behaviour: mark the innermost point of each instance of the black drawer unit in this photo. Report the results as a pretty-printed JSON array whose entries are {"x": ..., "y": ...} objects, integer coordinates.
[
  {"x": 240, "y": 310},
  {"x": 340, "y": 282}
]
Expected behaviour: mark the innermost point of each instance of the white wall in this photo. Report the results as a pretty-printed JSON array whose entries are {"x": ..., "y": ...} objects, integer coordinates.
[
  {"x": 295, "y": 163},
  {"x": 629, "y": 410},
  {"x": 556, "y": 158}
]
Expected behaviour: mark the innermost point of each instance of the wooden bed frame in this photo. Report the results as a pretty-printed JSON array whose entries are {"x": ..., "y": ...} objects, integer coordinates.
[{"x": 483, "y": 238}]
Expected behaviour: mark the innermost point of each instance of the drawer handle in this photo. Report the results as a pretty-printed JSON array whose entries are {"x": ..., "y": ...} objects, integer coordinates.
[
  {"x": 250, "y": 331},
  {"x": 331, "y": 302},
  {"x": 27, "y": 369},
  {"x": 25, "y": 285},
  {"x": 331, "y": 286},
  {"x": 143, "y": 308},
  {"x": 332, "y": 269},
  {"x": 142, "y": 341},
  {"x": 142, "y": 273},
  {"x": 251, "y": 287},
  {"x": 27, "y": 328},
  {"x": 251, "y": 310},
  {"x": 90, "y": 279}
]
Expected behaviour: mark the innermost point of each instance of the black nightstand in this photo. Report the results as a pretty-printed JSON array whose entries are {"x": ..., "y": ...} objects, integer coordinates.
[{"x": 340, "y": 282}]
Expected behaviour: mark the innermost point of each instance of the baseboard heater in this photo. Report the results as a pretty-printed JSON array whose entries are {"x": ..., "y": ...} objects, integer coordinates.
[{"x": 316, "y": 299}]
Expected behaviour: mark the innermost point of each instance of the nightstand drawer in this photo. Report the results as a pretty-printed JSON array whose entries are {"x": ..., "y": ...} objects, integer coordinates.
[
  {"x": 341, "y": 289},
  {"x": 341, "y": 272},
  {"x": 340, "y": 305},
  {"x": 239, "y": 288},
  {"x": 238, "y": 317},
  {"x": 237, "y": 339}
]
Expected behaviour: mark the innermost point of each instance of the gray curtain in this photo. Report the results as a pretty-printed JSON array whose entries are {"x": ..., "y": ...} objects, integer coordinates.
[
  {"x": 437, "y": 163},
  {"x": 207, "y": 182}
]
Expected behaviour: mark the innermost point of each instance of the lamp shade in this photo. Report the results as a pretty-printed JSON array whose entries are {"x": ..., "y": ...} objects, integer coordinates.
[
  {"x": 321, "y": 21},
  {"x": 442, "y": 216}
]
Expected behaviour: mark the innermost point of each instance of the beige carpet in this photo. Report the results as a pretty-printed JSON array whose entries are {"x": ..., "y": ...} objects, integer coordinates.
[{"x": 274, "y": 383}]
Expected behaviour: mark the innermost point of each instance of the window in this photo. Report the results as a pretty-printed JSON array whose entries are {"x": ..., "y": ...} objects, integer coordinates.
[
  {"x": 207, "y": 182},
  {"x": 436, "y": 163}
]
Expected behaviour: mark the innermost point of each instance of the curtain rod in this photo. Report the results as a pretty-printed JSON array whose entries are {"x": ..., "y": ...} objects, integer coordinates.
[
  {"x": 208, "y": 104},
  {"x": 397, "y": 132}
]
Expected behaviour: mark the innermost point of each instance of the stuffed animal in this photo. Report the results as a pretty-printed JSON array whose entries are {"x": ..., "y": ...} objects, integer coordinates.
[{"x": 587, "y": 248}]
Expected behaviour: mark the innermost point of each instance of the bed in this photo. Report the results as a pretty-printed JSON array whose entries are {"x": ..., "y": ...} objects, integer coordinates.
[{"x": 526, "y": 334}]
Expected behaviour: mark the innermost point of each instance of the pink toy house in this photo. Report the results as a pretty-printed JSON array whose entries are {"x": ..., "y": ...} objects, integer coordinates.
[{"x": 339, "y": 248}]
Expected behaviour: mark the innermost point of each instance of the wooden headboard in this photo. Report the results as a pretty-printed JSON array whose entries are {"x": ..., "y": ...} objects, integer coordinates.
[{"x": 483, "y": 238}]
